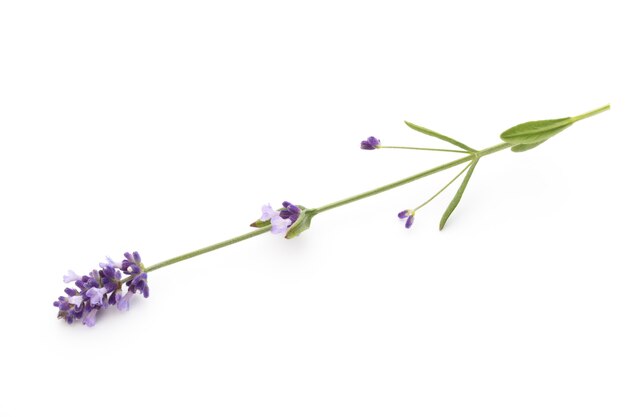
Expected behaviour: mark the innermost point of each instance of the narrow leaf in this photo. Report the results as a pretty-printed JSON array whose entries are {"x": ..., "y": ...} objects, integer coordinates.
[
  {"x": 537, "y": 131},
  {"x": 439, "y": 136},
  {"x": 457, "y": 196}
]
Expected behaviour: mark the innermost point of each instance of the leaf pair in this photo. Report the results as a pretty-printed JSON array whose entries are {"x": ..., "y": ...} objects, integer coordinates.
[{"x": 529, "y": 135}]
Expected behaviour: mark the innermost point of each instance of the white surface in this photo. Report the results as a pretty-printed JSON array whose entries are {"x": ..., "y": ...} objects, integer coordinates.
[{"x": 164, "y": 126}]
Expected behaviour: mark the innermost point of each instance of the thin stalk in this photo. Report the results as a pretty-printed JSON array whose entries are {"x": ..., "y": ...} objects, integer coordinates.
[
  {"x": 591, "y": 113},
  {"x": 210, "y": 248},
  {"x": 330, "y": 206},
  {"x": 422, "y": 149},
  {"x": 443, "y": 189}
]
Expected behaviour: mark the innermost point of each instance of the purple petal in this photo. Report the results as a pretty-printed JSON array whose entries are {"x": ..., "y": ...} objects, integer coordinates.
[
  {"x": 409, "y": 221},
  {"x": 404, "y": 214},
  {"x": 70, "y": 276},
  {"x": 76, "y": 300},
  {"x": 373, "y": 141},
  {"x": 90, "y": 318},
  {"x": 280, "y": 225},
  {"x": 95, "y": 295},
  {"x": 267, "y": 213},
  {"x": 124, "y": 303},
  {"x": 370, "y": 144}
]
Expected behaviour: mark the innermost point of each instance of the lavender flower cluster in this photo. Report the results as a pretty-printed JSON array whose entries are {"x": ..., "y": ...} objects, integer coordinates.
[
  {"x": 102, "y": 288},
  {"x": 280, "y": 219}
]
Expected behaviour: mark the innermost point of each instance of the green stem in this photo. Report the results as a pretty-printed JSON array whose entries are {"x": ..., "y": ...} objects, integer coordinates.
[
  {"x": 443, "y": 189},
  {"x": 260, "y": 231},
  {"x": 422, "y": 149},
  {"x": 591, "y": 113},
  {"x": 211, "y": 248}
]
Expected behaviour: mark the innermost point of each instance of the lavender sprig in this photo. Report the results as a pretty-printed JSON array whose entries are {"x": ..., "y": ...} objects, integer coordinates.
[{"x": 104, "y": 287}]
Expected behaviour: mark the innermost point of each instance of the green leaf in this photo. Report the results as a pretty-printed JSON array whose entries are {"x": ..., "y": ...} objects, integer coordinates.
[
  {"x": 457, "y": 196},
  {"x": 537, "y": 131},
  {"x": 302, "y": 224},
  {"x": 439, "y": 136}
]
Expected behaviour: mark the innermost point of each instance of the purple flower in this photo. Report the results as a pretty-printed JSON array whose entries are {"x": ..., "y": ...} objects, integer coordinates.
[
  {"x": 90, "y": 318},
  {"x": 290, "y": 211},
  {"x": 109, "y": 278},
  {"x": 70, "y": 276},
  {"x": 370, "y": 143},
  {"x": 124, "y": 303},
  {"x": 267, "y": 213},
  {"x": 70, "y": 307},
  {"x": 101, "y": 287},
  {"x": 95, "y": 295},
  {"x": 76, "y": 300},
  {"x": 110, "y": 262},
  {"x": 409, "y": 215},
  {"x": 139, "y": 284},
  {"x": 132, "y": 264},
  {"x": 280, "y": 219},
  {"x": 280, "y": 225}
]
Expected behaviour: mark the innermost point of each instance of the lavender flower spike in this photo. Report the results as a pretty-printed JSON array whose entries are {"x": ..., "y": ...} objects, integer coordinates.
[
  {"x": 370, "y": 144},
  {"x": 102, "y": 287}
]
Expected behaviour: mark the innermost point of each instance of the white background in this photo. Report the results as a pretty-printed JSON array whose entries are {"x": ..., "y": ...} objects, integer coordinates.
[{"x": 163, "y": 127}]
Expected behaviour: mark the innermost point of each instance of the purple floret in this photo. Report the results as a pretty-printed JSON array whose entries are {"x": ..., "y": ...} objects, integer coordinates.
[
  {"x": 280, "y": 219},
  {"x": 291, "y": 212},
  {"x": 370, "y": 143},
  {"x": 409, "y": 215}
]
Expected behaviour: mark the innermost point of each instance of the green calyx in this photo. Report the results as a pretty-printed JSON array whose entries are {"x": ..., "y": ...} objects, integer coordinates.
[{"x": 302, "y": 224}]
